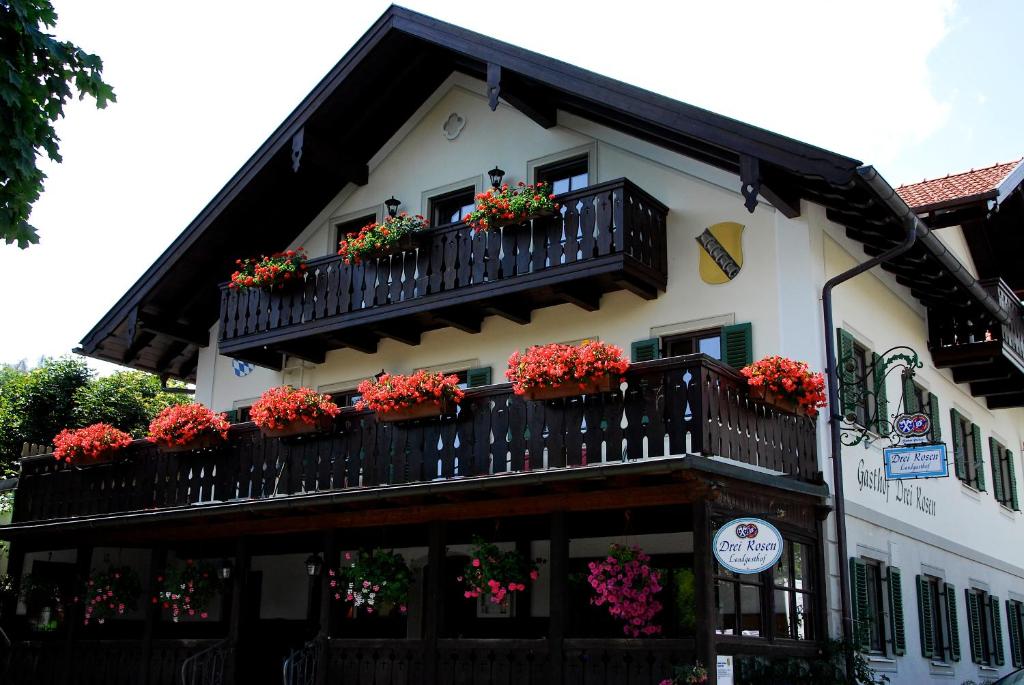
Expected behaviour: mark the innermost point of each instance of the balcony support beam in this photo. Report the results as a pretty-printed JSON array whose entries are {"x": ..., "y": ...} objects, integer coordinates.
[
  {"x": 586, "y": 300},
  {"x": 404, "y": 334},
  {"x": 307, "y": 351},
  {"x": 514, "y": 313},
  {"x": 361, "y": 343},
  {"x": 466, "y": 320},
  {"x": 1011, "y": 386}
]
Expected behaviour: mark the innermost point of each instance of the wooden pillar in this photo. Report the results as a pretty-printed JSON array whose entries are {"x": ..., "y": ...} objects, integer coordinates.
[
  {"x": 433, "y": 595},
  {"x": 559, "y": 591},
  {"x": 150, "y": 588},
  {"x": 75, "y": 613},
  {"x": 703, "y": 560},
  {"x": 15, "y": 567},
  {"x": 239, "y": 595},
  {"x": 327, "y": 605}
]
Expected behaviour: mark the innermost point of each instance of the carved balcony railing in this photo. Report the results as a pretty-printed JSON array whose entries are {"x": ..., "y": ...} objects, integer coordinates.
[
  {"x": 606, "y": 237},
  {"x": 981, "y": 350},
  {"x": 674, "y": 406}
]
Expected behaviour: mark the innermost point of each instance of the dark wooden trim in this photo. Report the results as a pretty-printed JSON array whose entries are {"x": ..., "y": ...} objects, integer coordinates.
[
  {"x": 150, "y": 587},
  {"x": 463, "y": 319},
  {"x": 433, "y": 620},
  {"x": 194, "y": 335},
  {"x": 398, "y": 333},
  {"x": 705, "y": 585},
  {"x": 330, "y": 552},
  {"x": 558, "y": 594}
]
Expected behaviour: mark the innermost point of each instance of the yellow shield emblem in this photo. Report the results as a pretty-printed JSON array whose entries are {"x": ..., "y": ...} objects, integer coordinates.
[{"x": 721, "y": 252}]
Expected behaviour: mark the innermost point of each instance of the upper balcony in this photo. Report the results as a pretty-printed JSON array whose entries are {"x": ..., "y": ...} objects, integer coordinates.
[
  {"x": 982, "y": 351},
  {"x": 607, "y": 237},
  {"x": 690, "y": 405}
]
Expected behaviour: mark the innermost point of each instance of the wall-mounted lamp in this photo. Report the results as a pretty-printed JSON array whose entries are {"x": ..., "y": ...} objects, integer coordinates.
[
  {"x": 313, "y": 565},
  {"x": 496, "y": 175},
  {"x": 392, "y": 206}
]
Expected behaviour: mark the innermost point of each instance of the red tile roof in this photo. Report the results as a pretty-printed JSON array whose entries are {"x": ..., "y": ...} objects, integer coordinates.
[{"x": 956, "y": 186}]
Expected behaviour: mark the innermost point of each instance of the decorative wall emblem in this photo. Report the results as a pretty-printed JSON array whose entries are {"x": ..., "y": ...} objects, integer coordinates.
[
  {"x": 241, "y": 368},
  {"x": 721, "y": 253},
  {"x": 453, "y": 126}
]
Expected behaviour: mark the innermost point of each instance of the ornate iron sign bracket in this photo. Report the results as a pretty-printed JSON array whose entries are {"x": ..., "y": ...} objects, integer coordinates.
[{"x": 860, "y": 391}]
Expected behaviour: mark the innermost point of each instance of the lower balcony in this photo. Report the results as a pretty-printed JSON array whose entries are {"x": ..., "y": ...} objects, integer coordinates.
[
  {"x": 675, "y": 406},
  {"x": 607, "y": 237},
  {"x": 981, "y": 351}
]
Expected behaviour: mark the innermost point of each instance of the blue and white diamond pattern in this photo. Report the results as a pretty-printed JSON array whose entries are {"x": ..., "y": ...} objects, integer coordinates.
[{"x": 241, "y": 368}]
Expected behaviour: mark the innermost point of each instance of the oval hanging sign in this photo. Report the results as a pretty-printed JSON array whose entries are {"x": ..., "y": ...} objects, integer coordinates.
[{"x": 747, "y": 545}]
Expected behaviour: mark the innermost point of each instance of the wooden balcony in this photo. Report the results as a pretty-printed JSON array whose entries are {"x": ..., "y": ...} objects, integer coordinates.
[
  {"x": 607, "y": 237},
  {"x": 674, "y": 406},
  {"x": 981, "y": 351}
]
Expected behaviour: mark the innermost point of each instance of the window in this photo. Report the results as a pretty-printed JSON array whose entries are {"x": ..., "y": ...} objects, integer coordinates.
[
  {"x": 1004, "y": 477},
  {"x": 934, "y": 637},
  {"x": 863, "y": 392},
  {"x": 345, "y": 398},
  {"x": 985, "y": 629},
  {"x": 738, "y": 603},
  {"x": 874, "y": 590},
  {"x": 793, "y": 594},
  {"x": 731, "y": 344},
  {"x": 1015, "y": 625},
  {"x": 967, "y": 457},
  {"x": 352, "y": 226},
  {"x": 565, "y": 176},
  {"x": 917, "y": 399},
  {"x": 451, "y": 207}
]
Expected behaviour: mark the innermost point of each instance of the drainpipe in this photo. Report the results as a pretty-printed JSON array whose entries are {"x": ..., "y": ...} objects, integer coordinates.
[{"x": 910, "y": 224}]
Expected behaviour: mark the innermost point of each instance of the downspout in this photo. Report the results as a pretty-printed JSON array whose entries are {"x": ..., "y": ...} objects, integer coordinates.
[{"x": 910, "y": 224}]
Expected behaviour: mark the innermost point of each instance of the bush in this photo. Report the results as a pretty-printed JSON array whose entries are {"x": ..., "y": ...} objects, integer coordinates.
[{"x": 126, "y": 399}]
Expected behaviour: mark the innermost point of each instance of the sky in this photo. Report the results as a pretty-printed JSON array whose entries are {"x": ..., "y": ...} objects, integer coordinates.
[{"x": 917, "y": 89}]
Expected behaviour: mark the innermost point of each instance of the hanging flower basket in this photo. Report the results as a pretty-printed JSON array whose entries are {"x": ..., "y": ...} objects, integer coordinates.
[
  {"x": 286, "y": 411},
  {"x": 393, "y": 234},
  {"x": 109, "y": 594},
  {"x": 395, "y": 397},
  {"x": 625, "y": 583},
  {"x": 546, "y": 372},
  {"x": 787, "y": 385},
  {"x": 496, "y": 574},
  {"x": 588, "y": 386},
  {"x": 511, "y": 205},
  {"x": 377, "y": 582},
  {"x": 189, "y": 590},
  {"x": 95, "y": 444},
  {"x": 187, "y": 427}
]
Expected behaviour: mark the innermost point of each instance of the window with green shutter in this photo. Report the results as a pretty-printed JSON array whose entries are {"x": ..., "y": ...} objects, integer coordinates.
[
  {"x": 933, "y": 414},
  {"x": 1004, "y": 477},
  {"x": 738, "y": 345},
  {"x": 979, "y": 457},
  {"x": 1015, "y": 627},
  {"x": 867, "y": 591},
  {"x": 967, "y": 455},
  {"x": 929, "y": 614},
  {"x": 478, "y": 377},
  {"x": 881, "y": 404},
  {"x": 859, "y": 600},
  {"x": 975, "y": 629},
  {"x": 998, "y": 653},
  {"x": 985, "y": 628},
  {"x": 896, "y": 624},
  {"x": 911, "y": 402},
  {"x": 953, "y": 621},
  {"x": 848, "y": 386},
  {"x": 645, "y": 350}
]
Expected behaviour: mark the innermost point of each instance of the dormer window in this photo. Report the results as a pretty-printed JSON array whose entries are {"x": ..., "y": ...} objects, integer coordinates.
[
  {"x": 451, "y": 207},
  {"x": 566, "y": 175}
]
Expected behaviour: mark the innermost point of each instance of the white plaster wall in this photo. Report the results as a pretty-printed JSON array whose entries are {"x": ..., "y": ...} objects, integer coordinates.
[
  {"x": 953, "y": 238},
  {"x": 284, "y": 592}
]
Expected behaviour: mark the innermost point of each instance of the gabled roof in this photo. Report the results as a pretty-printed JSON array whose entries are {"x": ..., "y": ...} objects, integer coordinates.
[
  {"x": 966, "y": 185},
  {"x": 161, "y": 322}
]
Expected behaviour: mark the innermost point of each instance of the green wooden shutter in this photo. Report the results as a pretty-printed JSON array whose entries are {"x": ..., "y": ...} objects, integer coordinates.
[
  {"x": 926, "y": 617},
  {"x": 738, "y": 345},
  {"x": 847, "y": 377},
  {"x": 959, "y": 461},
  {"x": 859, "y": 594},
  {"x": 997, "y": 472},
  {"x": 997, "y": 630},
  {"x": 974, "y": 625},
  {"x": 1014, "y": 502},
  {"x": 645, "y": 350},
  {"x": 478, "y": 376},
  {"x": 909, "y": 396},
  {"x": 882, "y": 425},
  {"x": 1013, "y": 622},
  {"x": 979, "y": 457},
  {"x": 953, "y": 622},
  {"x": 896, "y": 623},
  {"x": 933, "y": 405}
]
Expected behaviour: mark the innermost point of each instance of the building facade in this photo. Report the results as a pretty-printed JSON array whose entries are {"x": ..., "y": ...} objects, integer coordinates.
[{"x": 694, "y": 242}]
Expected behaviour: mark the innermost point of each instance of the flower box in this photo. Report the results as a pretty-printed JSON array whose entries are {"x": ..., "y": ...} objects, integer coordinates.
[
  {"x": 274, "y": 272},
  {"x": 498, "y": 223},
  {"x": 786, "y": 384},
  {"x": 393, "y": 234},
  {"x": 423, "y": 410},
  {"x": 772, "y": 399},
  {"x": 299, "y": 427},
  {"x": 511, "y": 205},
  {"x": 590, "y": 386},
  {"x": 95, "y": 444},
  {"x": 200, "y": 442}
]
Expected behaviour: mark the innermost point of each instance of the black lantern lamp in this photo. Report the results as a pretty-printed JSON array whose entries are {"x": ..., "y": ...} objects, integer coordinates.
[
  {"x": 496, "y": 175},
  {"x": 378, "y": 376},
  {"x": 392, "y": 206},
  {"x": 313, "y": 565},
  {"x": 225, "y": 569}
]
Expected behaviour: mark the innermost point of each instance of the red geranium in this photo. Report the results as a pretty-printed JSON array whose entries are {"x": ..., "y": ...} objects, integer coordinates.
[
  {"x": 789, "y": 379},
  {"x": 276, "y": 271},
  {"x": 494, "y": 573},
  {"x": 395, "y": 391},
  {"x": 278, "y": 407},
  {"x": 379, "y": 237},
  {"x": 183, "y": 423},
  {"x": 546, "y": 366},
  {"x": 508, "y": 204},
  {"x": 91, "y": 442}
]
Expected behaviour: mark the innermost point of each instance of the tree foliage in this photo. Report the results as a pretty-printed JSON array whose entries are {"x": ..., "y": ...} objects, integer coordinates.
[
  {"x": 37, "y": 73},
  {"x": 37, "y": 404}
]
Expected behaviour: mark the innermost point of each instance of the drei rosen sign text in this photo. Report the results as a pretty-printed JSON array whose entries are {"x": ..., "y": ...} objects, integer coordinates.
[{"x": 747, "y": 545}]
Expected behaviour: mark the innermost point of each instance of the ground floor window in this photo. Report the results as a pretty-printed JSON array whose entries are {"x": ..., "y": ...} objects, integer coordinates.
[
  {"x": 877, "y": 594},
  {"x": 1015, "y": 624},
  {"x": 985, "y": 628}
]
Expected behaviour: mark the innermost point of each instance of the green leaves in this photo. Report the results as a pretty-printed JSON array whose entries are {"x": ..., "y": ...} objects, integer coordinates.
[{"x": 34, "y": 87}]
